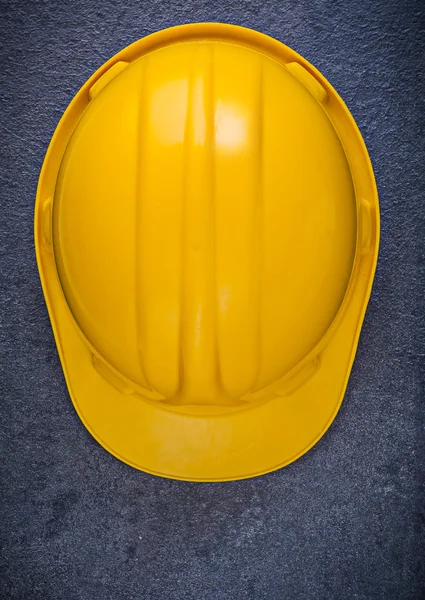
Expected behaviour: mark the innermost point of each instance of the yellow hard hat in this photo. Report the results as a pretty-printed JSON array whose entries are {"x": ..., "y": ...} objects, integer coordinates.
[{"x": 206, "y": 230}]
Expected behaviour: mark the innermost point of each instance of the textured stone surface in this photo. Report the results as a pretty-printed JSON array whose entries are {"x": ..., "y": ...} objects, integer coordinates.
[{"x": 347, "y": 520}]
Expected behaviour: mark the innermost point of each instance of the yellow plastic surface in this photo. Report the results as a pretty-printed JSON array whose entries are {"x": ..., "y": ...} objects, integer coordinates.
[{"x": 207, "y": 231}]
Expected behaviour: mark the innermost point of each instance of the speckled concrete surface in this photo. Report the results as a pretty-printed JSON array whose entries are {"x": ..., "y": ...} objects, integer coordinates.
[{"x": 344, "y": 522}]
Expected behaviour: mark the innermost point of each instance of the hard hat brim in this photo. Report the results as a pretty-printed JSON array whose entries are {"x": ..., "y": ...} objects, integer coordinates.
[{"x": 206, "y": 447}]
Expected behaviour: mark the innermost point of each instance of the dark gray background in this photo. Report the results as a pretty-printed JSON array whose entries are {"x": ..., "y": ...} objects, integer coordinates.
[{"x": 347, "y": 520}]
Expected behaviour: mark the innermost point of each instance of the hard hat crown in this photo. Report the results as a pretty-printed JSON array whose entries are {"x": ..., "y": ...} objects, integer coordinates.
[{"x": 204, "y": 222}]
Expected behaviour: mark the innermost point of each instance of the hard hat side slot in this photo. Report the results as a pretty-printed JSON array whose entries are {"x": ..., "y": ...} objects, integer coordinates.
[
  {"x": 367, "y": 226},
  {"x": 308, "y": 80},
  {"x": 46, "y": 222},
  {"x": 290, "y": 385},
  {"x": 107, "y": 77},
  {"x": 105, "y": 372}
]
